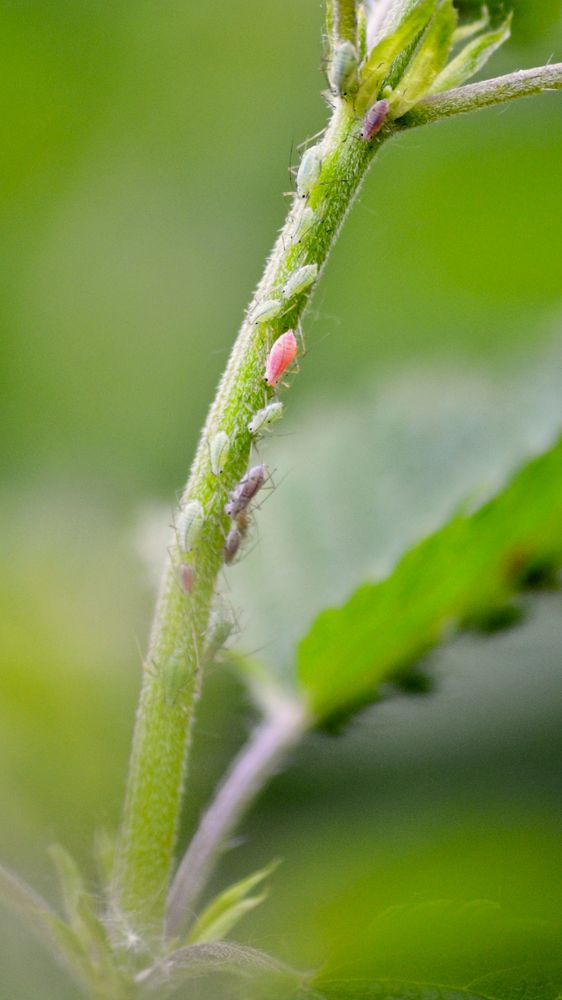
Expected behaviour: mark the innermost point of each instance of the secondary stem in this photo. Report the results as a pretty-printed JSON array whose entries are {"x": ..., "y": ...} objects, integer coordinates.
[
  {"x": 256, "y": 763},
  {"x": 485, "y": 94}
]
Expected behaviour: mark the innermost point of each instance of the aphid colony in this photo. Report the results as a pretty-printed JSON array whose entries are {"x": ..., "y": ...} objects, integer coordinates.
[{"x": 280, "y": 356}]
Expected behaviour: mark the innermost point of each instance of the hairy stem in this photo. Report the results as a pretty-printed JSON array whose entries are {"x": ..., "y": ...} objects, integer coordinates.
[
  {"x": 172, "y": 668},
  {"x": 256, "y": 763},
  {"x": 524, "y": 83}
]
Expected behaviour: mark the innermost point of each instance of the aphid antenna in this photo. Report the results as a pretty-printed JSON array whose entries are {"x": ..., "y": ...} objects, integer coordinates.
[{"x": 292, "y": 170}]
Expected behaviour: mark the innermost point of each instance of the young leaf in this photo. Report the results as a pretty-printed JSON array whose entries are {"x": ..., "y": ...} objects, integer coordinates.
[
  {"x": 387, "y": 50},
  {"x": 466, "y": 31},
  {"x": 197, "y": 960},
  {"x": 428, "y": 61},
  {"x": 475, "y": 561},
  {"x": 72, "y": 886},
  {"x": 45, "y": 924},
  {"x": 471, "y": 59},
  {"x": 78, "y": 904},
  {"x": 226, "y": 909},
  {"x": 345, "y": 20},
  {"x": 104, "y": 856}
]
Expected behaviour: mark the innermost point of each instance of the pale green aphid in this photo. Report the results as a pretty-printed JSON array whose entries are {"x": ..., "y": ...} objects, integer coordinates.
[
  {"x": 300, "y": 280},
  {"x": 219, "y": 448},
  {"x": 175, "y": 674},
  {"x": 304, "y": 223},
  {"x": 263, "y": 418},
  {"x": 189, "y": 524},
  {"x": 343, "y": 68},
  {"x": 309, "y": 171},
  {"x": 266, "y": 310}
]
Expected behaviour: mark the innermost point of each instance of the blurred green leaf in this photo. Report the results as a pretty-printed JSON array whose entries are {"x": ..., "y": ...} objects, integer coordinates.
[
  {"x": 471, "y": 59},
  {"x": 227, "y": 909},
  {"x": 449, "y": 950},
  {"x": 59, "y": 938},
  {"x": 474, "y": 562},
  {"x": 388, "y": 49},
  {"x": 429, "y": 59},
  {"x": 80, "y": 911}
]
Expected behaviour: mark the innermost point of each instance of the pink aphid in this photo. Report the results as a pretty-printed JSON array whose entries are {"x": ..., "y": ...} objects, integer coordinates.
[
  {"x": 374, "y": 120},
  {"x": 187, "y": 577},
  {"x": 281, "y": 355}
]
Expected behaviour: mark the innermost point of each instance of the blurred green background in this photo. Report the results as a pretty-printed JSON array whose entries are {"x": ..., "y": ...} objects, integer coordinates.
[{"x": 145, "y": 152}]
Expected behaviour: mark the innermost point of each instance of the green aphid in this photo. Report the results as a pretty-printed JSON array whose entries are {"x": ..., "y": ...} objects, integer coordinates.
[
  {"x": 176, "y": 676},
  {"x": 270, "y": 414},
  {"x": 343, "y": 69},
  {"x": 189, "y": 524},
  {"x": 309, "y": 171},
  {"x": 303, "y": 224},
  {"x": 266, "y": 310},
  {"x": 219, "y": 449},
  {"x": 300, "y": 280}
]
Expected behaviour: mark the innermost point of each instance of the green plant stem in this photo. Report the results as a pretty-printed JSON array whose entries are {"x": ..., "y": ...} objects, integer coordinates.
[
  {"x": 172, "y": 669},
  {"x": 485, "y": 94},
  {"x": 251, "y": 770}
]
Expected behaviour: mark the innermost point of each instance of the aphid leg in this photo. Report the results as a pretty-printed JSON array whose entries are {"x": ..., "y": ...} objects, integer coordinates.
[
  {"x": 300, "y": 335},
  {"x": 310, "y": 139}
]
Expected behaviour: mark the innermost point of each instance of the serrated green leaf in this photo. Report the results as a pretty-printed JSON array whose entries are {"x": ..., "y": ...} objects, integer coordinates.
[
  {"x": 471, "y": 59},
  {"x": 387, "y": 50},
  {"x": 474, "y": 562},
  {"x": 53, "y": 932},
  {"x": 226, "y": 909},
  {"x": 428, "y": 61},
  {"x": 466, "y": 31}
]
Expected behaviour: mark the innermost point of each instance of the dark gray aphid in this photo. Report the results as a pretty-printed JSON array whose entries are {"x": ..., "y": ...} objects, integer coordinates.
[
  {"x": 232, "y": 544},
  {"x": 245, "y": 490},
  {"x": 374, "y": 120}
]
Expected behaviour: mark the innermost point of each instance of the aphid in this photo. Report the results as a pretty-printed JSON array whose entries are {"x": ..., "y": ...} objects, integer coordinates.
[
  {"x": 187, "y": 577},
  {"x": 244, "y": 491},
  {"x": 231, "y": 545},
  {"x": 266, "y": 310},
  {"x": 219, "y": 451},
  {"x": 263, "y": 418},
  {"x": 300, "y": 280},
  {"x": 343, "y": 69},
  {"x": 281, "y": 355},
  {"x": 374, "y": 120},
  {"x": 189, "y": 524},
  {"x": 221, "y": 627},
  {"x": 175, "y": 675},
  {"x": 303, "y": 224},
  {"x": 309, "y": 171}
]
